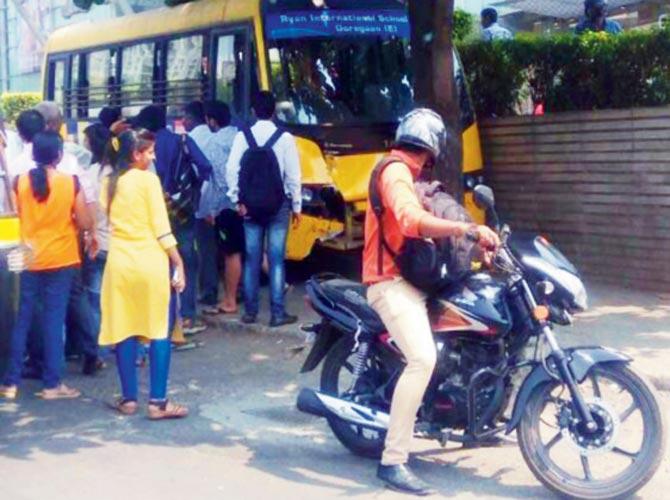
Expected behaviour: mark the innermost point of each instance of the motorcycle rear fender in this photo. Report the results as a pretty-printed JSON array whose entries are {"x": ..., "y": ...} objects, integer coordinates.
[
  {"x": 582, "y": 359},
  {"x": 326, "y": 336}
]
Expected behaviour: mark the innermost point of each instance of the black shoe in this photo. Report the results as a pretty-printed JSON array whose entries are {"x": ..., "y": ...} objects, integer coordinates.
[
  {"x": 286, "y": 319},
  {"x": 248, "y": 319},
  {"x": 401, "y": 478},
  {"x": 90, "y": 365}
]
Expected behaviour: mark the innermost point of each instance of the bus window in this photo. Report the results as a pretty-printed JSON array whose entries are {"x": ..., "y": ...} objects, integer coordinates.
[
  {"x": 101, "y": 80},
  {"x": 184, "y": 72},
  {"x": 137, "y": 72},
  {"x": 230, "y": 60},
  {"x": 57, "y": 83}
]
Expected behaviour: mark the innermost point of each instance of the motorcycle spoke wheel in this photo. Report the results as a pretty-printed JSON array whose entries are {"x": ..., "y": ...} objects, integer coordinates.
[{"x": 616, "y": 459}]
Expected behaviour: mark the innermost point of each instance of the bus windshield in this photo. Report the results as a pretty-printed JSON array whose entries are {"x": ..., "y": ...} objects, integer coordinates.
[
  {"x": 325, "y": 81},
  {"x": 340, "y": 67}
]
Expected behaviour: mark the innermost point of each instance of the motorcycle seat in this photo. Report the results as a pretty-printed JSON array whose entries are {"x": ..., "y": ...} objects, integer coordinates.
[{"x": 351, "y": 296}]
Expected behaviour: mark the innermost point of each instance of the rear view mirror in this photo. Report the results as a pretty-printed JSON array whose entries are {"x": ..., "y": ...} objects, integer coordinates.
[{"x": 484, "y": 197}]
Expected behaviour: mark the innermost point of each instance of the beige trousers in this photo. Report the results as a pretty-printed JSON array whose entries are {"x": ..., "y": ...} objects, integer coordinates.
[{"x": 403, "y": 310}]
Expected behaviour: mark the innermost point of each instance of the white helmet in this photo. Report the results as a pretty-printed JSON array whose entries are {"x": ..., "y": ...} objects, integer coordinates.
[{"x": 423, "y": 128}]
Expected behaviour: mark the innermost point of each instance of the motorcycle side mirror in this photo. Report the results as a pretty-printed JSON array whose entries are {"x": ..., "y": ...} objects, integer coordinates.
[
  {"x": 484, "y": 197},
  {"x": 486, "y": 200}
]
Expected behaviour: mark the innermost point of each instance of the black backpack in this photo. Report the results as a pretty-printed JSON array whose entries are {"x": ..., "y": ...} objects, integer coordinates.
[
  {"x": 420, "y": 261},
  {"x": 184, "y": 199},
  {"x": 261, "y": 182}
]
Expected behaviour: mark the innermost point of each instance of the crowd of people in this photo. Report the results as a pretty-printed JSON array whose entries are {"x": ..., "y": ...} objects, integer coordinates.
[{"x": 127, "y": 232}]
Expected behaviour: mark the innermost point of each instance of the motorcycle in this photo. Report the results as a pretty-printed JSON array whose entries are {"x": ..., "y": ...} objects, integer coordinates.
[{"x": 587, "y": 424}]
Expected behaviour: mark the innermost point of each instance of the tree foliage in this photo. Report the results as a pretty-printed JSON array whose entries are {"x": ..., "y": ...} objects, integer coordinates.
[{"x": 13, "y": 103}]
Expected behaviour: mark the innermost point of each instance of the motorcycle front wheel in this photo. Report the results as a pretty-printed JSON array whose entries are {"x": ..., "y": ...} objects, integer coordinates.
[
  {"x": 336, "y": 380},
  {"x": 614, "y": 461}
]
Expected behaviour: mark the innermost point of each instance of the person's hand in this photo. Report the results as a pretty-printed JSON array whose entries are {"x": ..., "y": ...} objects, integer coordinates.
[
  {"x": 179, "y": 279},
  {"x": 242, "y": 210},
  {"x": 297, "y": 217},
  {"x": 210, "y": 219},
  {"x": 488, "y": 239},
  {"x": 91, "y": 245}
]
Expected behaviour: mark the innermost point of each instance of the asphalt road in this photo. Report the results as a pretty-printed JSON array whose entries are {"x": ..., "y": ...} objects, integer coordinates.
[{"x": 244, "y": 440}]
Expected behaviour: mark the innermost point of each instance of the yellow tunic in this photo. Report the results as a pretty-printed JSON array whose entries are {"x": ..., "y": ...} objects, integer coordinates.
[{"x": 136, "y": 283}]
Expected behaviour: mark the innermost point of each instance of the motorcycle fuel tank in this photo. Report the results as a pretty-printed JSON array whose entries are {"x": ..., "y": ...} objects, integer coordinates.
[{"x": 475, "y": 305}]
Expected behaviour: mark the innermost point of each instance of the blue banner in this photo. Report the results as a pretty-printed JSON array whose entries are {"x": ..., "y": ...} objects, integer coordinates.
[{"x": 337, "y": 23}]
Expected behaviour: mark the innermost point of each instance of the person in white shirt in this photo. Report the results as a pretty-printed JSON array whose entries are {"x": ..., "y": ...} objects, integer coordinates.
[
  {"x": 491, "y": 30},
  {"x": 76, "y": 161},
  {"x": 229, "y": 226},
  {"x": 276, "y": 229}
]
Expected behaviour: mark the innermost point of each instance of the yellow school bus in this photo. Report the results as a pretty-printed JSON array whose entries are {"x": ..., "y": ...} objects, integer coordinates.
[{"x": 340, "y": 70}]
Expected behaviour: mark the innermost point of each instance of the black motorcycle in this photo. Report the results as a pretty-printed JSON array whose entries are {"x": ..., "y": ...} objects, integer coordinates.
[{"x": 588, "y": 426}]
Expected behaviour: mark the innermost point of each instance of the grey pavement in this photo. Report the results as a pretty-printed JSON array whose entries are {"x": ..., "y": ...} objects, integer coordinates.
[{"x": 244, "y": 438}]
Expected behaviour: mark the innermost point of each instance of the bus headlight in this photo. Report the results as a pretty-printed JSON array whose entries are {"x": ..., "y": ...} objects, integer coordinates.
[{"x": 307, "y": 195}]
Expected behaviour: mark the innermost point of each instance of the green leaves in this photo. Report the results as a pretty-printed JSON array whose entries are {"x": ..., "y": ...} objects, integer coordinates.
[{"x": 566, "y": 72}]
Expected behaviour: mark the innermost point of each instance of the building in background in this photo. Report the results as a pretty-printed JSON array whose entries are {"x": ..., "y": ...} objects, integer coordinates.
[
  {"x": 546, "y": 16},
  {"x": 26, "y": 24}
]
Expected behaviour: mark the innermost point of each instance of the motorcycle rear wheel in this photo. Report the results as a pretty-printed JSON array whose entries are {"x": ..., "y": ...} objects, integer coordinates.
[
  {"x": 584, "y": 452},
  {"x": 359, "y": 440}
]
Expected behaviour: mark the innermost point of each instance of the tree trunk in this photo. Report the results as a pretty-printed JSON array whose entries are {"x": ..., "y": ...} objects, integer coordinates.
[{"x": 434, "y": 83}]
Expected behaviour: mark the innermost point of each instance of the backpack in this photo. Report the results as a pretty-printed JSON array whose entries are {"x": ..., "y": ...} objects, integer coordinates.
[
  {"x": 261, "y": 183},
  {"x": 420, "y": 261},
  {"x": 183, "y": 202},
  {"x": 459, "y": 251}
]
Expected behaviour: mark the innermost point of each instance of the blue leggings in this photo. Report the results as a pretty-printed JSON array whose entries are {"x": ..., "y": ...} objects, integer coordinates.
[
  {"x": 159, "y": 361},
  {"x": 159, "y": 366}
]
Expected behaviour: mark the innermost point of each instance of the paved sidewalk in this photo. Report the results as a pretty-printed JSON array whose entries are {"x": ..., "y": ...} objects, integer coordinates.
[{"x": 637, "y": 323}]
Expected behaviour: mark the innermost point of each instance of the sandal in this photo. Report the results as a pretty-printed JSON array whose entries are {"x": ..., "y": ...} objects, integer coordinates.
[
  {"x": 9, "y": 391},
  {"x": 60, "y": 392},
  {"x": 165, "y": 410},
  {"x": 125, "y": 407}
]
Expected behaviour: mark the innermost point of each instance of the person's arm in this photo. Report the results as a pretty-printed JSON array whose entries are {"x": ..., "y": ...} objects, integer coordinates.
[
  {"x": 233, "y": 167},
  {"x": 160, "y": 226},
  {"x": 200, "y": 161},
  {"x": 397, "y": 190},
  {"x": 82, "y": 212},
  {"x": 293, "y": 175}
]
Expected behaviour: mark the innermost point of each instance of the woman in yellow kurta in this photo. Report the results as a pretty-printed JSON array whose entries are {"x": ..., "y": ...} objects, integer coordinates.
[{"x": 135, "y": 292}]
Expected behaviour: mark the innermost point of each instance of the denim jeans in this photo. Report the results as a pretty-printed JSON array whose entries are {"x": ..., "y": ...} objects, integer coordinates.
[
  {"x": 276, "y": 231},
  {"x": 208, "y": 260},
  {"x": 185, "y": 234},
  {"x": 93, "y": 271},
  {"x": 53, "y": 289},
  {"x": 82, "y": 335}
]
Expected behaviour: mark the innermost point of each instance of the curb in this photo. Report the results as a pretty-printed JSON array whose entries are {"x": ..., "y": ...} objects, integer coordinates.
[{"x": 234, "y": 325}]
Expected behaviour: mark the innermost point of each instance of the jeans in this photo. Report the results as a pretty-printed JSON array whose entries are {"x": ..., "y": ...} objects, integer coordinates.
[
  {"x": 276, "y": 231},
  {"x": 93, "y": 270},
  {"x": 82, "y": 335},
  {"x": 208, "y": 255},
  {"x": 53, "y": 289},
  {"x": 185, "y": 234}
]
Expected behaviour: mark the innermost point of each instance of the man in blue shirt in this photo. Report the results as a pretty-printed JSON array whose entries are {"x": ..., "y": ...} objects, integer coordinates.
[
  {"x": 168, "y": 153},
  {"x": 491, "y": 30},
  {"x": 595, "y": 12}
]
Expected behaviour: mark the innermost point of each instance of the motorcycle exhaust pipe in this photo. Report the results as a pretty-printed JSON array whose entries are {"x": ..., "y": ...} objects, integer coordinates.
[{"x": 322, "y": 405}]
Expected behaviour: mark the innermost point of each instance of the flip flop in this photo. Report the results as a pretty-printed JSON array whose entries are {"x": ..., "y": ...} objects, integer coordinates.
[
  {"x": 166, "y": 411},
  {"x": 125, "y": 407},
  {"x": 60, "y": 392}
]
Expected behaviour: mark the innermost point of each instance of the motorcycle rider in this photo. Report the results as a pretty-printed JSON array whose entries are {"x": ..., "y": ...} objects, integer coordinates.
[{"x": 420, "y": 139}]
